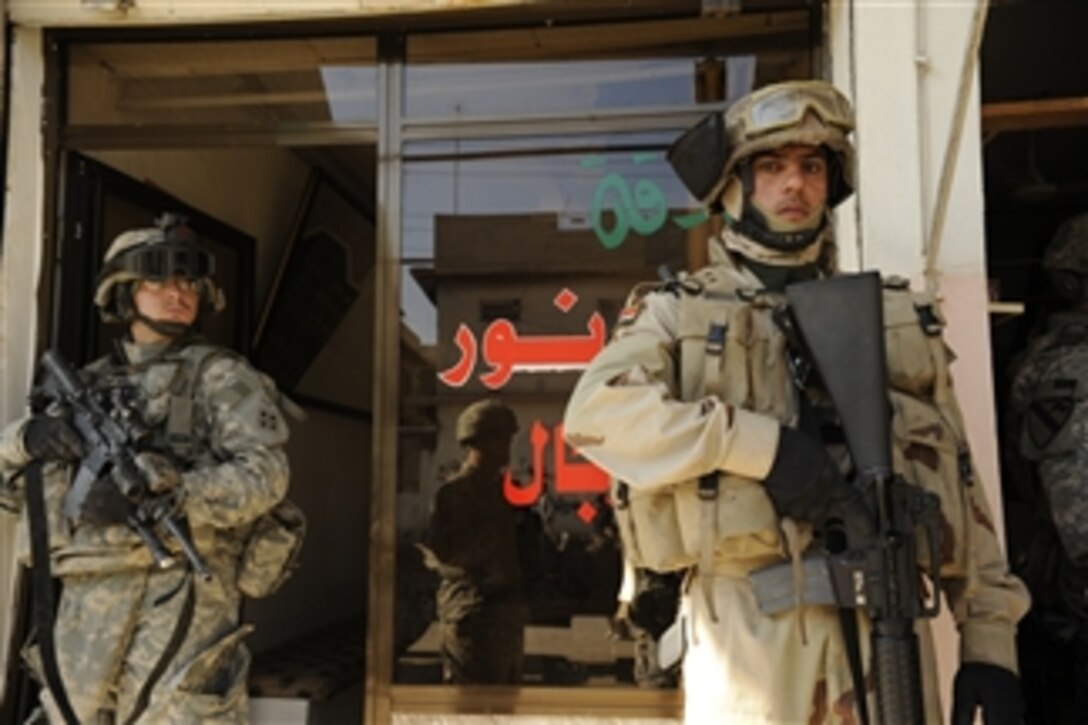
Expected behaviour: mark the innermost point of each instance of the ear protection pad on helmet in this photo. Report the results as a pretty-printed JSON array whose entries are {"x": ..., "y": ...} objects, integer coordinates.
[{"x": 699, "y": 156}]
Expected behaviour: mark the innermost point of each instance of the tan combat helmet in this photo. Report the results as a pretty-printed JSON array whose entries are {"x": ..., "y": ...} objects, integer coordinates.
[
  {"x": 803, "y": 112},
  {"x": 710, "y": 158},
  {"x": 1066, "y": 258},
  {"x": 169, "y": 249}
]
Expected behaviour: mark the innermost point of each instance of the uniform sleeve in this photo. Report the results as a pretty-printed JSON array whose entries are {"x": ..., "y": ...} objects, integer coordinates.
[
  {"x": 625, "y": 415},
  {"x": 249, "y": 473},
  {"x": 1056, "y": 437},
  {"x": 986, "y": 600},
  {"x": 439, "y": 536},
  {"x": 13, "y": 457}
]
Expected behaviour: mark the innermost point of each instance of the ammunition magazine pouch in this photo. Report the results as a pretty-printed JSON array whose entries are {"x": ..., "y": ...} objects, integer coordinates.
[
  {"x": 665, "y": 529},
  {"x": 271, "y": 551},
  {"x": 776, "y": 586}
]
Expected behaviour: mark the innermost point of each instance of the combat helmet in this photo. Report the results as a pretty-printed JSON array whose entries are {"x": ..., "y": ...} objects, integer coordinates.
[
  {"x": 1066, "y": 258},
  {"x": 486, "y": 418},
  {"x": 168, "y": 249},
  {"x": 712, "y": 158}
]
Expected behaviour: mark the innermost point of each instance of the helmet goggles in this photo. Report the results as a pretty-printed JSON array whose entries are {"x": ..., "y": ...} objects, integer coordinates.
[
  {"x": 167, "y": 260},
  {"x": 786, "y": 107}
]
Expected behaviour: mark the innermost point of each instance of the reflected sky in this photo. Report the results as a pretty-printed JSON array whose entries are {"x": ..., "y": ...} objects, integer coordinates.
[
  {"x": 445, "y": 91},
  {"x": 616, "y": 194}
]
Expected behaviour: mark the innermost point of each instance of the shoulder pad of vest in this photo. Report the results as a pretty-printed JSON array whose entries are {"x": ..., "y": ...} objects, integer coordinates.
[
  {"x": 717, "y": 279},
  {"x": 684, "y": 284}
]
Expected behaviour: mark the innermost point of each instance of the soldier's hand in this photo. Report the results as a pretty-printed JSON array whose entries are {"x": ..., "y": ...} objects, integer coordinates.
[
  {"x": 104, "y": 504},
  {"x": 158, "y": 470},
  {"x": 992, "y": 689},
  {"x": 49, "y": 438},
  {"x": 804, "y": 482}
]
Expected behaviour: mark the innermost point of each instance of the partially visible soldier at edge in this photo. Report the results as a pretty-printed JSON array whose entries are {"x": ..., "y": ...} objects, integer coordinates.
[
  {"x": 474, "y": 543},
  {"x": 136, "y": 642},
  {"x": 1046, "y": 456},
  {"x": 655, "y": 408}
]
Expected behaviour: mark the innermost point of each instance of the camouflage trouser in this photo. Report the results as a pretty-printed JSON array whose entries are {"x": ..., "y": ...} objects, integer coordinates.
[
  {"x": 647, "y": 672},
  {"x": 111, "y": 632},
  {"x": 485, "y": 647}
]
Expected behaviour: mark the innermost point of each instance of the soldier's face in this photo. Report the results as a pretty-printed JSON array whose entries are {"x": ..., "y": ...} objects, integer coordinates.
[
  {"x": 176, "y": 300},
  {"x": 790, "y": 187}
]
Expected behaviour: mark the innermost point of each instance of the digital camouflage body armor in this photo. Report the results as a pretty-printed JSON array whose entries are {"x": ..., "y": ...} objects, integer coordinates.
[
  {"x": 1047, "y": 461},
  {"x": 165, "y": 646}
]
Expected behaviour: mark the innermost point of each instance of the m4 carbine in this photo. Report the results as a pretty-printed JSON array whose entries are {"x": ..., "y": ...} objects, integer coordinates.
[
  {"x": 112, "y": 439},
  {"x": 841, "y": 322}
]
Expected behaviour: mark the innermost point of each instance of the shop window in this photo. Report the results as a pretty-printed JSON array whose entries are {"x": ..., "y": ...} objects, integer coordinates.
[
  {"x": 500, "y": 310},
  {"x": 516, "y": 259}
]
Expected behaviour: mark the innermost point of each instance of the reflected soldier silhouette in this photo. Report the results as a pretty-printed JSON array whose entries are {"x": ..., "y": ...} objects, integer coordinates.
[{"x": 473, "y": 544}]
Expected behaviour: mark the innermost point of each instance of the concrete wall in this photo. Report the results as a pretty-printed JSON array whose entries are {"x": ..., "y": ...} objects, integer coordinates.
[
  {"x": 902, "y": 63},
  {"x": 19, "y": 273}
]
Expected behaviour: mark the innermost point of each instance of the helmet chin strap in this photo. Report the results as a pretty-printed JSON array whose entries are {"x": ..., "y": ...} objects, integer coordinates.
[
  {"x": 753, "y": 225},
  {"x": 166, "y": 329}
]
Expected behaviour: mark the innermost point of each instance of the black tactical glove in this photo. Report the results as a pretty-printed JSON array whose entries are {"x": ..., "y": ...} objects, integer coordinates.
[
  {"x": 48, "y": 438},
  {"x": 656, "y": 601},
  {"x": 804, "y": 482},
  {"x": 993, "y": 689},
  {"x": 104, "y": 504}
]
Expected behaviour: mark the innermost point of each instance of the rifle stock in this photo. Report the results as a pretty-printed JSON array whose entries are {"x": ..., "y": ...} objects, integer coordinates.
[{"x": 841, "y": 322}]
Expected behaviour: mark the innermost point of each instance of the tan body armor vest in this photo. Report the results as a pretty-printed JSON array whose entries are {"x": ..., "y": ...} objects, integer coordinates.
[{"x": 730, "y": 347}]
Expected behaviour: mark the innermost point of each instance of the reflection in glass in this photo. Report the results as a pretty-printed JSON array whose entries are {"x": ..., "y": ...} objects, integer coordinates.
[
  {"x": 494, "y": 89},
  {"x": 518, "y": 265},
  {"x": 482, "y": 548},
  {"x": 483, "y": 90}
]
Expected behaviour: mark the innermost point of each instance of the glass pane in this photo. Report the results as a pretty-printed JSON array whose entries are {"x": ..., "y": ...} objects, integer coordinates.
[
  {"x": 262, "y": 83},
  {"x": 515, "y": 268},
  {"x": 494, "y": 89}
]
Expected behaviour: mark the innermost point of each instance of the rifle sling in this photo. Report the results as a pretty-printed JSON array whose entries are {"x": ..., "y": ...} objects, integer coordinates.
[
  {"x": 848, "y": 618},
  {"x": 42, "y": 582},
  {"x": 181, "y": 628}
]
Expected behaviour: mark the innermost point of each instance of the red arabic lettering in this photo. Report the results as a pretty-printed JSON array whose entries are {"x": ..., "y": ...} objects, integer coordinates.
[
  {"x": 570, "y": 477},
  {"x": 506, "y": 352},
  {"x": 521, "y": 496},
  {"x": 458, "y": 374}
]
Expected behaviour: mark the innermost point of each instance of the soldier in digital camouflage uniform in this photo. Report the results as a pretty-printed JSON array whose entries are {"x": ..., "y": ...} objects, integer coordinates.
[
  {"x": 696, "y": 381},
  {"x": 223, "y": 467},
  {"x": 1049, "y": 463},
  {"x": 473, "y": 543}
]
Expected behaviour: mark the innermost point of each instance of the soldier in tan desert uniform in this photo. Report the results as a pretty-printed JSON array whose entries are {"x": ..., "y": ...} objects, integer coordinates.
[
  {"x": 697, "y": 380},
  {"x": 137, "y": 641}
]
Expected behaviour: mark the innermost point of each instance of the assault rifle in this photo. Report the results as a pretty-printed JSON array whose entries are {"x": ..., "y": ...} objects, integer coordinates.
[
  {"x": 841, "y": 321},
  {"x": 112, "y": 437}
]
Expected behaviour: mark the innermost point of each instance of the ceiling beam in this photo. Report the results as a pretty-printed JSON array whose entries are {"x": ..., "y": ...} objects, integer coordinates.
[
  {"x": 582, "y": 40},
  {"x": 1035, "y": 114}
]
